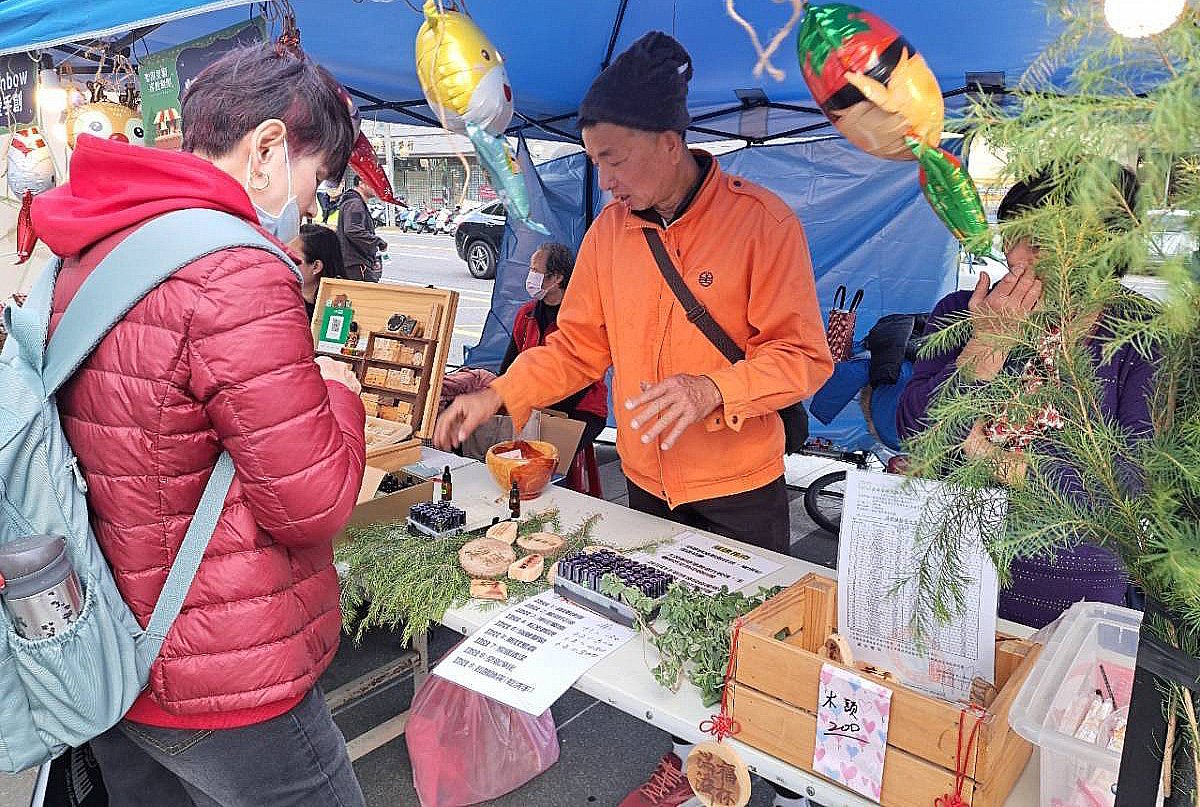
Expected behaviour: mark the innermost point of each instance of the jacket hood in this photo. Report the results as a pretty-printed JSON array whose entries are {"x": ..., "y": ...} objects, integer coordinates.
[{"x": 115, "y": 186}]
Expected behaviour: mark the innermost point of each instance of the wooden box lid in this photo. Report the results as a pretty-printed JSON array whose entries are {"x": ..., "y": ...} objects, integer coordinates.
[{"x": 375, "y": 303}]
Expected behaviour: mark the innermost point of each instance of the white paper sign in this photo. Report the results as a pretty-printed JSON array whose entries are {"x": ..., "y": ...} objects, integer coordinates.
[
  {"x": 704, "y": 564},
  {"x": 533, "y": 652},
  {"x": 878, "y": 543}
]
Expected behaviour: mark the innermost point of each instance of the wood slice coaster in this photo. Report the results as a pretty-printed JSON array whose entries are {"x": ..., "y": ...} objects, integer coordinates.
[
  {"x": 528, "y": 568},
  {"x": 489, "y": 590},
  {"x": 546, "y": 544},
  {"x": 718, "y": 775},
  {"x": 486, "y": 558},
  {"x": 505, "y": 531}
]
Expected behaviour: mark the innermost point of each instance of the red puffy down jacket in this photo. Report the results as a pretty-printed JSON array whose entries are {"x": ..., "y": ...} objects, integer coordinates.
[{"x": 220, "y": 356}]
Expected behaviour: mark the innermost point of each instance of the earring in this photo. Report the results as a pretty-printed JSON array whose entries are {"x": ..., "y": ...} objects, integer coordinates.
[{"x": 266, "y": 180}]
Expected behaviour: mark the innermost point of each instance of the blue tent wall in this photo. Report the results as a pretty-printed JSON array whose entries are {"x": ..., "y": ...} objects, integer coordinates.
[{"x": 556, "y": 200}]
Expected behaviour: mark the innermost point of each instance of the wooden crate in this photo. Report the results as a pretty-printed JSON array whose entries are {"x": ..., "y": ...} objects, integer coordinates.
[
  {"x": 775, "y": 697},
  {"x": 374, "y": 304}
]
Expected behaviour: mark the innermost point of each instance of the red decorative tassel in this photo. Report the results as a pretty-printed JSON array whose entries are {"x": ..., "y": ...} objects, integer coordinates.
[
  {"x": 962, "y": 758},
  {"x": 723, "y": 725},
  {"x": 26, "y": 237}
]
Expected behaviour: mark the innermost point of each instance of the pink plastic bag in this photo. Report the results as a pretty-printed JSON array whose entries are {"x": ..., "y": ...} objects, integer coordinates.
[{"x": 467, "y": 748}]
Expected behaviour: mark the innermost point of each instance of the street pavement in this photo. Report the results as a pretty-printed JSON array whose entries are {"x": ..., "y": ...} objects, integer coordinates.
[{"x": 430, "y": 260}]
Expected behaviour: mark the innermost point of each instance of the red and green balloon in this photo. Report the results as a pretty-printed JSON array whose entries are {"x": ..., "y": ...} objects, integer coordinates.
[{"x": 879, "y": 93}]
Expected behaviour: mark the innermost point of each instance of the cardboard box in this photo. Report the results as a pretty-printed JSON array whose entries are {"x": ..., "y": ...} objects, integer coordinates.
[
  {"x": 372, "y": 509},
  {"x": 548, "y": 426}
]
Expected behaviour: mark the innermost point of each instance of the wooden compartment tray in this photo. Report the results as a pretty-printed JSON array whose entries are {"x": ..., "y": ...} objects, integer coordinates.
[{"x": 373, "y": 305}]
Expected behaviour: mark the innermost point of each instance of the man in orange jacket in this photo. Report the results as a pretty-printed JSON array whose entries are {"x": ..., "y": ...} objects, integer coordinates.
[{"x": 700, "y": 439}]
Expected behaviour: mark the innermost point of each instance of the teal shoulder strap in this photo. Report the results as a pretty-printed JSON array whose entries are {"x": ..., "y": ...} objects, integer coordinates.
[{"x": 137, "y": 265}]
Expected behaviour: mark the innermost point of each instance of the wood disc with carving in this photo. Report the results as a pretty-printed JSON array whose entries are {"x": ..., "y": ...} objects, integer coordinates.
[
  {"x": 718, "y": 775},
  {"x": 486, "y": 558}
]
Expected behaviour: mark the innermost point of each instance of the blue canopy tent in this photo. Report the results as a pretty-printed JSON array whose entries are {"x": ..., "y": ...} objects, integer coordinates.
[{"x": 867, "y": 225}]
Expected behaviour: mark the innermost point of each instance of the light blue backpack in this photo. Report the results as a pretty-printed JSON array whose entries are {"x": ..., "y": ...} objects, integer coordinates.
[{"x": 64, "y": 690}]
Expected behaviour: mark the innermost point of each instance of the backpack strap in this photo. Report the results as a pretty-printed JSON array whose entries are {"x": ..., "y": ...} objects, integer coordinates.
[
  {"x": 143, "y": 260},
  {"x": 27, "y": 325},
  {"x": 195, "y": 541}
]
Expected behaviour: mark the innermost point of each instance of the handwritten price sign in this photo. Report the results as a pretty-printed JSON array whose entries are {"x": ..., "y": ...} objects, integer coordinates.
[{"x": 852, "y": 728}]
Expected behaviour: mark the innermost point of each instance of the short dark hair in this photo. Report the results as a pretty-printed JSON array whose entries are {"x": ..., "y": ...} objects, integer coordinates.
[
  {"x": 321, "y": 244},
  {"x": 252, "y": 84},
  {"x": 1035, "y": 191},
  {"x": 560, "y": 260}
]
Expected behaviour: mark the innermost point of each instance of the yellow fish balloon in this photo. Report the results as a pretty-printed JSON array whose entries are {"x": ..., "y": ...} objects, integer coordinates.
[
  {"x": 464, "y": 80},
  {"x": 461, "y": 72}
]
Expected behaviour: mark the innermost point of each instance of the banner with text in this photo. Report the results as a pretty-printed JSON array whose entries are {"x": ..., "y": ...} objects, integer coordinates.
[{"x": 164, "y": 76}]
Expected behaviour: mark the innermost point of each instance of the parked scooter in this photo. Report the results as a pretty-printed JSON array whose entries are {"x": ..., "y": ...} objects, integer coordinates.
[
  {"x": 428, "y": 221},
  {"x": 409, "y": 223},
  {"x": 442, "y": 221}
]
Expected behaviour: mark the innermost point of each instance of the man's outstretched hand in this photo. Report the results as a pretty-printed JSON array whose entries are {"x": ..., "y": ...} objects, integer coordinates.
[{"x": 463, "y": 416}]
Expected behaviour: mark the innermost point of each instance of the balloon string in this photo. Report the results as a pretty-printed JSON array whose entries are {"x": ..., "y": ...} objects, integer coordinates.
[
  {"x": 723, "y": 725},
  {"x": 765, "y": 54}
]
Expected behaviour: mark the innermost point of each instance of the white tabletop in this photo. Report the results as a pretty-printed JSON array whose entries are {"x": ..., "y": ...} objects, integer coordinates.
[{"x": 624, "y": 679}]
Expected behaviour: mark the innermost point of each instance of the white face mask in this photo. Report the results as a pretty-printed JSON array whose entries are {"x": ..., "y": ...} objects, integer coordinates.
[
  {"x": 284, "y": 225},
  {"x": 533, "y": 285}
]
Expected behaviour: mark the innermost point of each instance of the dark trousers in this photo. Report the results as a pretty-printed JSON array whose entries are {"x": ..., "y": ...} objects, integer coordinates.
[
  {"x": 298, "y": 759},
  {"x": 757, "y": 517}
]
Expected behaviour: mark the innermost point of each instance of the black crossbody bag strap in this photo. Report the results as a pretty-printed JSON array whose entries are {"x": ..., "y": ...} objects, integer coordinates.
[{"x": 697, "y": 314}]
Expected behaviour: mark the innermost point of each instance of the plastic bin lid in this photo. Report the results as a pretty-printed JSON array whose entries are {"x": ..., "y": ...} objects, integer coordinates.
[{"x": 1074, "y": 637}]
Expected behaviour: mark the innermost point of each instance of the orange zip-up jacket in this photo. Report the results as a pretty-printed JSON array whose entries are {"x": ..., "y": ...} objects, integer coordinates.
[{"x": 742, "y": 252}]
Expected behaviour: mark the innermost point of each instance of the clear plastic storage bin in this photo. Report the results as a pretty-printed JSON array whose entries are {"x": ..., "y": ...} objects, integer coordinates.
[{"x": 1062, "y": 685}]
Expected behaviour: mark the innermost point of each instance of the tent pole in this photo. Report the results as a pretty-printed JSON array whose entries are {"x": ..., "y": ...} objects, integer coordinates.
[{"x": 616, "y": 31}]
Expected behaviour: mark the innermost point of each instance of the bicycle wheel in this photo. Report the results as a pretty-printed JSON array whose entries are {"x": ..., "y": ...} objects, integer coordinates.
[{"x": 823, "y": 500}]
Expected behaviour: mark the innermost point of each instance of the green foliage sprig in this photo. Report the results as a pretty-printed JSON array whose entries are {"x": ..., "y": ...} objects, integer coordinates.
[
  {"x": 695, "y": 641},
  {"x": 395, "y": 579},
  {"x": 1092, "y": 98}
]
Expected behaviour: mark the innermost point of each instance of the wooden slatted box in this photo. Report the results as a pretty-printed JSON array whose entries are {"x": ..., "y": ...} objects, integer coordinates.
[{"x": 775, "y": 694}]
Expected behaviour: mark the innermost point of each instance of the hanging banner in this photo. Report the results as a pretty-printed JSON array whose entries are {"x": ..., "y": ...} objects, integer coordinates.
[
  {"x": 18, "y": 83},
  {"x": 164, "y": 76}
]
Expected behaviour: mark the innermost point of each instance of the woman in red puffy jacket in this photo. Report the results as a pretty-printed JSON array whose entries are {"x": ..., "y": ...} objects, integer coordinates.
[{"x": 220, "y": 357}]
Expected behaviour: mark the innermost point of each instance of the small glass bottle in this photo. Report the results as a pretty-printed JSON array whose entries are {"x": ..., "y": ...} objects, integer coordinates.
[
  {"x": 514, "y": 501},
  {"x": 447, "y": 485}
]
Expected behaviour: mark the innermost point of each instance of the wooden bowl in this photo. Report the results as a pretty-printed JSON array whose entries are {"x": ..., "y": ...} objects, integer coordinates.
[{"x": 531, "y": 471}]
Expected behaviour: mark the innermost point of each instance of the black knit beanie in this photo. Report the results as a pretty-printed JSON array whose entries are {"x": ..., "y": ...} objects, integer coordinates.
[{"x": 645, "y": 88}]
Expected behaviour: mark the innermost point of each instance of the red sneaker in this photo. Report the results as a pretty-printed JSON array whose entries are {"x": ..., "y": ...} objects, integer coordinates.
[{"x": 666, "y": 787}]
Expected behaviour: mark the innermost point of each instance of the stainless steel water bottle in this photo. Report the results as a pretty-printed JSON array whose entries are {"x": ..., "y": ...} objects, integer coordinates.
[{"x": 40, "y": 589}]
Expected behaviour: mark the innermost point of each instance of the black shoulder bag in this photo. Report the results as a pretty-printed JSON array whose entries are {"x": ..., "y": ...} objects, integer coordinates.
[{"x": 795, "y": 417}]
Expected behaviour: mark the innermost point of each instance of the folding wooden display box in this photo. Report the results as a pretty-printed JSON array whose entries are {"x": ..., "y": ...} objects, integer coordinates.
[
  {"x": 374, "y": 304},
  {"x": 775, "y": 698}
]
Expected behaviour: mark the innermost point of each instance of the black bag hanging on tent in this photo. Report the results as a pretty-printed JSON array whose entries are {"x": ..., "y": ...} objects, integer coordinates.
[
  {"x": 795, "y": 417},
  {"x": 71, "y": 780}
]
